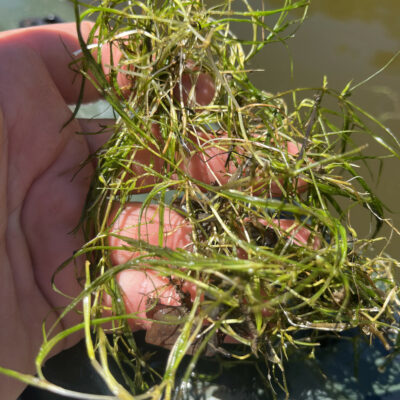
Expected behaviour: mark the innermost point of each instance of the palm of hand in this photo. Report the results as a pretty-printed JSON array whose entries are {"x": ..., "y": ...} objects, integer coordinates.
[{"x": 41, "y": 200}]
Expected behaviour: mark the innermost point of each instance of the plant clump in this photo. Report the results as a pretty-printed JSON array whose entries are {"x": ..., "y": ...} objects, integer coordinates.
[{"x": 246, "y": 197}]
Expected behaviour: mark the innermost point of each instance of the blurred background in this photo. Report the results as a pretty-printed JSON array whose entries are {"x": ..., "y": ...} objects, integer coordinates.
[
  {"x": 344, "y": 40},
  {"x": 347, "y": 40},
  {"x": 14, "y": 11}
]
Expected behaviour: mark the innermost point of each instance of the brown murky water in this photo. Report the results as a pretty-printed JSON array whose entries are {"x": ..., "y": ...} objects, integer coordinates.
[
  {"x": 347, "y": 40},
  {"x": 342, "y": 39}
]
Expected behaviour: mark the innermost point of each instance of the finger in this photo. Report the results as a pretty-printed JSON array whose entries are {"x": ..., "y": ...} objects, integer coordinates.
[
  {"x": 195, "y": 89},
  {"x": 45, "y": 196},
  {"x": 204, "y": 89},
  {"x": 56, "y": 45},
  {"x": 212, "y": 163},
  {"x": 218, "y": 163},
  {"x": 144, "y": 161},
  {"x": 207, "y": 163},
  {"x": 97, "y": 131},
  {"x": 145, "y": 225},
  {"x": 299, "y": 235},
  {"x": 140, "y": 286},
  {"x": 267, "y": 233},
  {"x": 138, "y": 289}
]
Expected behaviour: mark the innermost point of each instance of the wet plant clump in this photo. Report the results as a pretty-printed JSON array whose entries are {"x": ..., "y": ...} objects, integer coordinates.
[{"x": 260, "y": 187}]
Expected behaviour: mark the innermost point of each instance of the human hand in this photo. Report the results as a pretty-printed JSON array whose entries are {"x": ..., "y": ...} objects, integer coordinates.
[
  {"x": 40, "y": 198},
  {"x": 42, "y": 195}
]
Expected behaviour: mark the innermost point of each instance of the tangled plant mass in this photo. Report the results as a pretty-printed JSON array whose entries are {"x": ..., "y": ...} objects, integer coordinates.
[{"x": 242, "y": 235}]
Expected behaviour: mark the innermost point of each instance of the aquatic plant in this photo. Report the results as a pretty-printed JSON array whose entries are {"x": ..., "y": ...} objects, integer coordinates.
[{"x": 260, "y": 187}]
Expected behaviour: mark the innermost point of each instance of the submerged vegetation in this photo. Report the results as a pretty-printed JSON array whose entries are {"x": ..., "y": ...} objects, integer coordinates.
[{"x": 249, "y": 197}]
